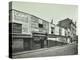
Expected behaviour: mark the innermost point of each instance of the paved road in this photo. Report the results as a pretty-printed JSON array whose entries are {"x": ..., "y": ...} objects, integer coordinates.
[{"x": 70, "y": 49}]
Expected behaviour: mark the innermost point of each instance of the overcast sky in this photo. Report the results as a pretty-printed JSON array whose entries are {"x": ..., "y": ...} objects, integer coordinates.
[{"x": 49, "y": 11}]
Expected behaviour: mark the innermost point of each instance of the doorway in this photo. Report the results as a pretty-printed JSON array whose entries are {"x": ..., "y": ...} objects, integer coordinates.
[
  {"x": 27, "y": 44},
  {"x": 42, "y": 43}
]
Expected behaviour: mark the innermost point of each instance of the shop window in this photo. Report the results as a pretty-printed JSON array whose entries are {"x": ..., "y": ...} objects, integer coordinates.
[{"x": 16, "y": 28}]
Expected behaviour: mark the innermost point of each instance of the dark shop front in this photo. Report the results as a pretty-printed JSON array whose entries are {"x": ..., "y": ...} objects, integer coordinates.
[
  {"x": 39, "y": 40},
  {"x": 21, "y": 42}
]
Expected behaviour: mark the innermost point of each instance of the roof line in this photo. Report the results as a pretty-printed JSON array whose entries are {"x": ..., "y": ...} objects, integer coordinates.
[{"x": 29, "y": 14}]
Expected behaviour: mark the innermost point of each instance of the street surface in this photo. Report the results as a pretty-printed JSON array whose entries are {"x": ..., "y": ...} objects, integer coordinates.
[{"x": 69, "y": 49}]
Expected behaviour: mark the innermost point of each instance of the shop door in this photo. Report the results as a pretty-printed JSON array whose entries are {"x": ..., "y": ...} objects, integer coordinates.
[
  {"x": 36, "y": 43},
  {"x": 42, "y": 43},
  {"x": 17, "y": 45},
  {"x": 26, "y": 44}
]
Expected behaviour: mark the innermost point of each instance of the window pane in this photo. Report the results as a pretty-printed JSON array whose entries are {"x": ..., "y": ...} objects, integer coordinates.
[{"x": 16, "y": 28}]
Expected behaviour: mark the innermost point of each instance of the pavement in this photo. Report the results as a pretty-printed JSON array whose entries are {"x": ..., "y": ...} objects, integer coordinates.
[{"x": 69, "y": 49}]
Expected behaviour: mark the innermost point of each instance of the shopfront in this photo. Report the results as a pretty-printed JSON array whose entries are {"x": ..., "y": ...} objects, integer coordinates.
[
  {"x": 39, "y": 40},
  {"x": 21, "y": 42}
]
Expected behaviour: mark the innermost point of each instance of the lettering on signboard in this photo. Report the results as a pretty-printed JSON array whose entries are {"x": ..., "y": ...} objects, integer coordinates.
[{"x": 19, "y": 16}]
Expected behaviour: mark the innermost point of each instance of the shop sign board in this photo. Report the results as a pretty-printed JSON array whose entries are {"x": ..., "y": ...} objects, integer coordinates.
[{"x": 20, "y": 16}]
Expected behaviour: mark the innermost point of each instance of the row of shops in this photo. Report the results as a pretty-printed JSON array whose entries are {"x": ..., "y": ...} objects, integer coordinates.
[
  {"x": 29, "y": 32},
  {"x": 24, "y": 42}
]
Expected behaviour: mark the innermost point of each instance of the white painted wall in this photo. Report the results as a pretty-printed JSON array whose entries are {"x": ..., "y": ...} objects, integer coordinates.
[
  {"x": 63, "y": 32},
  {"x": 49, "y": 28},
  {"x": 56, "y": 30}
]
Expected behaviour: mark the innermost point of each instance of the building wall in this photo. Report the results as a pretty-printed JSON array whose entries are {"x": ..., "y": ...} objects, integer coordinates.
[
  {"x": 22, "y": 18},
  {"x": 21, "y": 27},
  {"x": 73, "y": 32},
  {"x": 70, "y": 28},
  {"x": 45, "y": 26},
  {"x": 51, "y": 28},
  {"x": 56, "y": 30},
  {"x": 57, "y": 34},
  {"x": 63, "y": 32},
  {"x": 29, "y": 24},
  {"x": 34, "y": 24}
]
